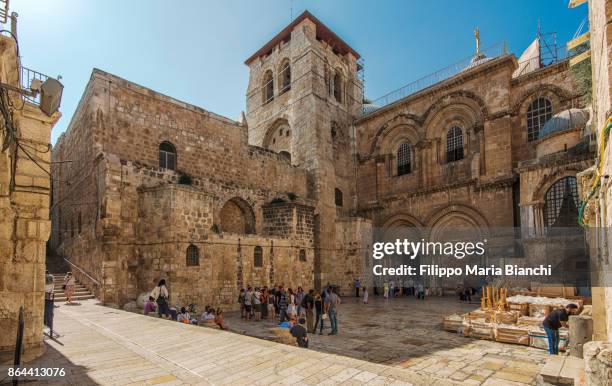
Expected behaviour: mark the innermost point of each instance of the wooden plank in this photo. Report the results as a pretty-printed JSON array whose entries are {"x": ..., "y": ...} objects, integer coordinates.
[
  {"x": 579, "y": 58},
  {"x": 578, "y": 41},
  {"x": 575, "y": 3}
]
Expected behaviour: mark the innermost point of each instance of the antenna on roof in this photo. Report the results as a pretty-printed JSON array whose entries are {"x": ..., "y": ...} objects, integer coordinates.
[{"x": 291, "y": 9}]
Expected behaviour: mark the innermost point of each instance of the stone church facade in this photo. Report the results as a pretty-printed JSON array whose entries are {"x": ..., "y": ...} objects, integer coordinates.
[{"x": 298, "y": 189}]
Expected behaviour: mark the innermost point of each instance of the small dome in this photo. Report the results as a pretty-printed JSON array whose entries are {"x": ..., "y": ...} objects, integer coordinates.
[
  {"x": 563, "y": 121},
  {"x": 477, "y": 60},
  {"x": 369, "y": 107}
]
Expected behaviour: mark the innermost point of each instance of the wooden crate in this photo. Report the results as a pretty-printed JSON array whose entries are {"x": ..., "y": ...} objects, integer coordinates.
[
  {"x": 452, "y": 324},
  {"x": 482, "y": 331},
  {"x": 506, "y": 317},
  {"x": 521, "y": 308},
  {"x": 512, "y": 335}
]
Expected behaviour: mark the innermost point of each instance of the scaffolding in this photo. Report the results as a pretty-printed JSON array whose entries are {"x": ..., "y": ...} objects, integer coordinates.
[{"x": 361, "y": 76}]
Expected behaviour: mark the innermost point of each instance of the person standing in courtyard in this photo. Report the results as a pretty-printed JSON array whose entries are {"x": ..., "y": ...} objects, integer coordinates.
[
  {"x": 248, "y": 303},
  {"x": 420, "y": 291},
  {"x": 365, "y": 295},
  {"x": 410, "y": 289},
  {"x": 308, "y": 304},
  {"x": 553, "y": 322},
  {"x": 318, "y": 302},
  {"x": 357, "y": 285},
  {"x": 264, "y": 303},
  {"x": 282, "y": 304},
  {"x": 257, "y": 304},
  {"x": 160, "y": 294},
  {"x": 241, "y": 301},
  {"x": 69, "y": 285},
  {"x": 386, "y": 290},
  {"x": 332, "y": 310},
  {"x": 291, "y": 308}
]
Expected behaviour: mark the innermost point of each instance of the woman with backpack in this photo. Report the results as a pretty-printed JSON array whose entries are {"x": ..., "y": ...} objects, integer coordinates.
[{"x": 160, "y": 294}]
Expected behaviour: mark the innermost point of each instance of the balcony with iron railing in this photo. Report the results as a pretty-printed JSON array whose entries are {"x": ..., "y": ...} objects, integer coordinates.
[{"x": 26, "y": 77}]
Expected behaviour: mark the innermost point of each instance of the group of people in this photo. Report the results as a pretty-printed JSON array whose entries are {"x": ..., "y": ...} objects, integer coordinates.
[
  {"x": 291, "y": 307},
  {"x": 158, "y": 301},
  {"x": 390, "y": 290}
]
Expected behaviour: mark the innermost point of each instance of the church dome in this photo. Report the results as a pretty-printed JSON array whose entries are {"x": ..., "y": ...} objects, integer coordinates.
[
  {"x": 477, "y": 60},
  {"x": 369, "y": 107},
  {"x": 565, "y": 120}
]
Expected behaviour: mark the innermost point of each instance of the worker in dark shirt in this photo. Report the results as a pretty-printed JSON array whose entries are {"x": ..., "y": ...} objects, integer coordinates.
[
  {"x": 299, "y": 332},
  {"x": 553, "y": 322}
]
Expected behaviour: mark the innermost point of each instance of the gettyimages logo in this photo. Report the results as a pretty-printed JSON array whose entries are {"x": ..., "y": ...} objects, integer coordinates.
[{"x": 413, "y": 249}]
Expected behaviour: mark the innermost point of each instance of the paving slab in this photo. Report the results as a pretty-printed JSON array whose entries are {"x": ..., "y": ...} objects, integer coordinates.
[{"x": 103, "y": 346}]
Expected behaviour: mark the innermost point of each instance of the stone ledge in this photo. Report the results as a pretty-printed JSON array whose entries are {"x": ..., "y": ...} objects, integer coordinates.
[{"x": 562, "y": 370}]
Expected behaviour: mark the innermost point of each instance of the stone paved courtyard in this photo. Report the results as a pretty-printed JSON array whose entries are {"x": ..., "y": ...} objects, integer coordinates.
[
  {"x": 407, "y": 333},
  {"x": 100, "y": 345}
]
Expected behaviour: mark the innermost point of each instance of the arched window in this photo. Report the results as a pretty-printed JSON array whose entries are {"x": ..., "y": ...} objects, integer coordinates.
[
  {"x": 167, "y": 156},
  {"x": 338, "y": 197},
  {"x": 284, "y": 76},
  {"x": 302, "y": 256},
  {"x": 539, "y": 112},
  {"x": 268, "y": 87},
  {"x": 79, "y": 223},
  {"x": 561, "y": 204},
  {"x": 193, "y": 256},
  {"x": 258, "y": 257},
  {"x": 338, "y": 86},
  {"x": 403, "y": 159},
  {"x": 454, "y": 144}
]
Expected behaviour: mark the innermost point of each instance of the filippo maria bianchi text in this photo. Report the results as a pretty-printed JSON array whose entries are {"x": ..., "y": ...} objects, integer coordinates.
[{"x": 468, "y": 270}]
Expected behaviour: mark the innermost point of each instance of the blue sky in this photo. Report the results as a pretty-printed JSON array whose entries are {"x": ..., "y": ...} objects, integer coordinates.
[{"x": 194, "y": 50}]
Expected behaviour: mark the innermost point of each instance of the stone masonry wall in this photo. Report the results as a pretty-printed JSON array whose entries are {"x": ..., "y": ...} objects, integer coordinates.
[
  {"x": 127, "y": 248},
  {"x": 24, "y": 215}
]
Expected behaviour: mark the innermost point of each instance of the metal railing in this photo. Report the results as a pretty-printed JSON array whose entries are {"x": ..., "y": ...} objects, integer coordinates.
[
  {"x": 26, "y": 77},
  {"x": 532, "y": 64},
  {"x": 436, "y": 77},
  {"x": 491, "y": 52},
  {"x": 82, "y": 271}
]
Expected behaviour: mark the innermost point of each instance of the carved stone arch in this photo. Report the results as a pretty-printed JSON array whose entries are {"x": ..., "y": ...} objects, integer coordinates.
[
  {"x": 402, "y": 226},
  {"x": 237, "y": 216},
  {"x": 403, "y": 119},
  {"x": 401, "y": 219},
  {"x": 549, "y": 179},
  {"x": 557, "y": 95},
  {"x": 468, "y": 98},
  {"x": 466, "y": 215},
  {"x": 278, "y": 137},
  {"x": 460, "y": 110}
]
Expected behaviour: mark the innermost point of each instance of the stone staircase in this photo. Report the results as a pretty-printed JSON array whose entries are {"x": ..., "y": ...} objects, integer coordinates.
[{"x": 80, "y": 293}]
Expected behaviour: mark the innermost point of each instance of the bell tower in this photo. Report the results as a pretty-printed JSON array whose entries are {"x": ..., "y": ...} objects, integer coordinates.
[{"x": 303, "y": 97}]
